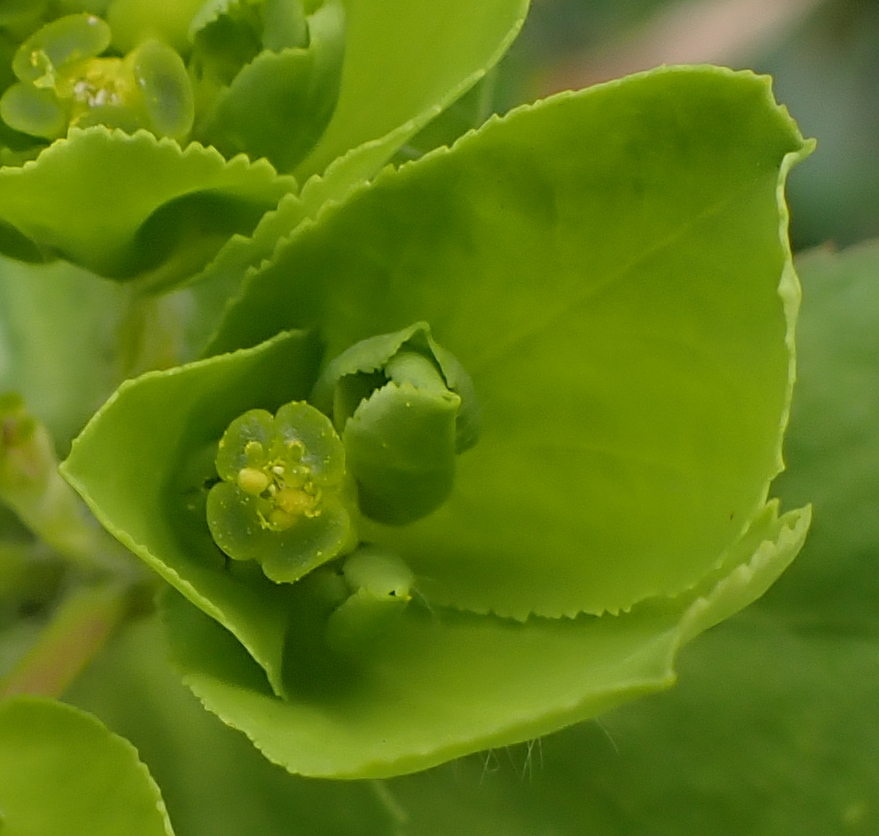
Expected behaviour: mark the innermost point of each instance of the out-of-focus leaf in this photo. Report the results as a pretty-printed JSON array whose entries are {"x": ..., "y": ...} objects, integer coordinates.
[
  {"x": 213, "y": 781},
  {"x": 405, "y": 62},
  {"x": 132, "y": 205},
  {"x": 61, "y": 771},
  {"x": 833, "y": 444},
  {"x": 58, "y": 326}
]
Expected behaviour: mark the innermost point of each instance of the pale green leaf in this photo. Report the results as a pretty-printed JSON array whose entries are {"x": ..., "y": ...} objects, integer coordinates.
[
  {"x": 624, "y": 311},
  {"x": 142, "y": 463},
  {"x": 61, "y": 771},
  {"x": 444, "y": 684}
]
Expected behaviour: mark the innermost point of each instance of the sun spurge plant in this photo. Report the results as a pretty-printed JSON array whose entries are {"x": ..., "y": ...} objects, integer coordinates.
[{"x": 444, "y": 456}]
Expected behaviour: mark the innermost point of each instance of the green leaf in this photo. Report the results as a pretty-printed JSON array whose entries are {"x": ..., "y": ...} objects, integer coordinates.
[
  {"x": 62, "y": 364},
  {"x": 298, "y": 86},
  {"x": 445, "y": 684},
  {"x": 635, "y": 375},
  {"x": 214, "y": 782},
  {"x": 833, "y": 443},
  {"x": 635, "y": 369},
  {"x": 434, "y": 53},
  {"x": 771, "y": 728},
  {"x": 61, "y": 771},
  {"x": 172, "y": 209},
  {"x": 209, "y": 293},
  {"x": 141, "y": 464},
  {"x": 768, "y": 731}
]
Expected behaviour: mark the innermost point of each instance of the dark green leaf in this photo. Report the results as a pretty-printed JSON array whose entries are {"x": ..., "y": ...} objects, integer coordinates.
[{"x": 833, "y": 444}]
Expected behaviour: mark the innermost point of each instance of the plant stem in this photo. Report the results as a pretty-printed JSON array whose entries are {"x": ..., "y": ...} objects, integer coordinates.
[
  {"x": 150, "y": 333},
  {"x": 391, "y": 805},
  {"x": 77, "y": 632},
  {"x": 32, "y": 487}
]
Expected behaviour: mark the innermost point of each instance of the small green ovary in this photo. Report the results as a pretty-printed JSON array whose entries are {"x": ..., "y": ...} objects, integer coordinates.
[
  {"x": 285, "y": 499},
  {"x": 282, "y": 484},
  {"x": 379, "y": 586}
]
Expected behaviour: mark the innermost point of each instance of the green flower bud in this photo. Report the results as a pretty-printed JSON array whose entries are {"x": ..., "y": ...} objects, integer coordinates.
[
  {"x": 404, "y": 408},
  {"x": 284, "y": 499},
  {"x": 380, "y": 587}
]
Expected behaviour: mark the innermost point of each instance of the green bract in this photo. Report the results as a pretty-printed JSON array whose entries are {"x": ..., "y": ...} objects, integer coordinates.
[
  {"x": 625, "y": 316},
  {"x": 250, "y": 60}
]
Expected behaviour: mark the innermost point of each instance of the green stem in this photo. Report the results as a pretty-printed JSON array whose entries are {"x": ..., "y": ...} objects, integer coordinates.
[
  {"x": 32, "y": 487},
  {"x": 77, "y": 632},
  {"x": 389, "y": 802},
  {"x": 150, "y": 332},
  {"x": 487, "y": 94}
]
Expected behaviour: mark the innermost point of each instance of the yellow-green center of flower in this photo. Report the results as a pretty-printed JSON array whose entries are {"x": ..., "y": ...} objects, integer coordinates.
[
  {"x": 283, "y": 485},
  {"x": 94, "y": 83}
]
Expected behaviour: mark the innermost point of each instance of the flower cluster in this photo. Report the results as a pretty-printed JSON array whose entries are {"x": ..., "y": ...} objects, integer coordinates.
[
  {"x": 364, "y": 589},
  {"x": 201, "y": 77}
]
